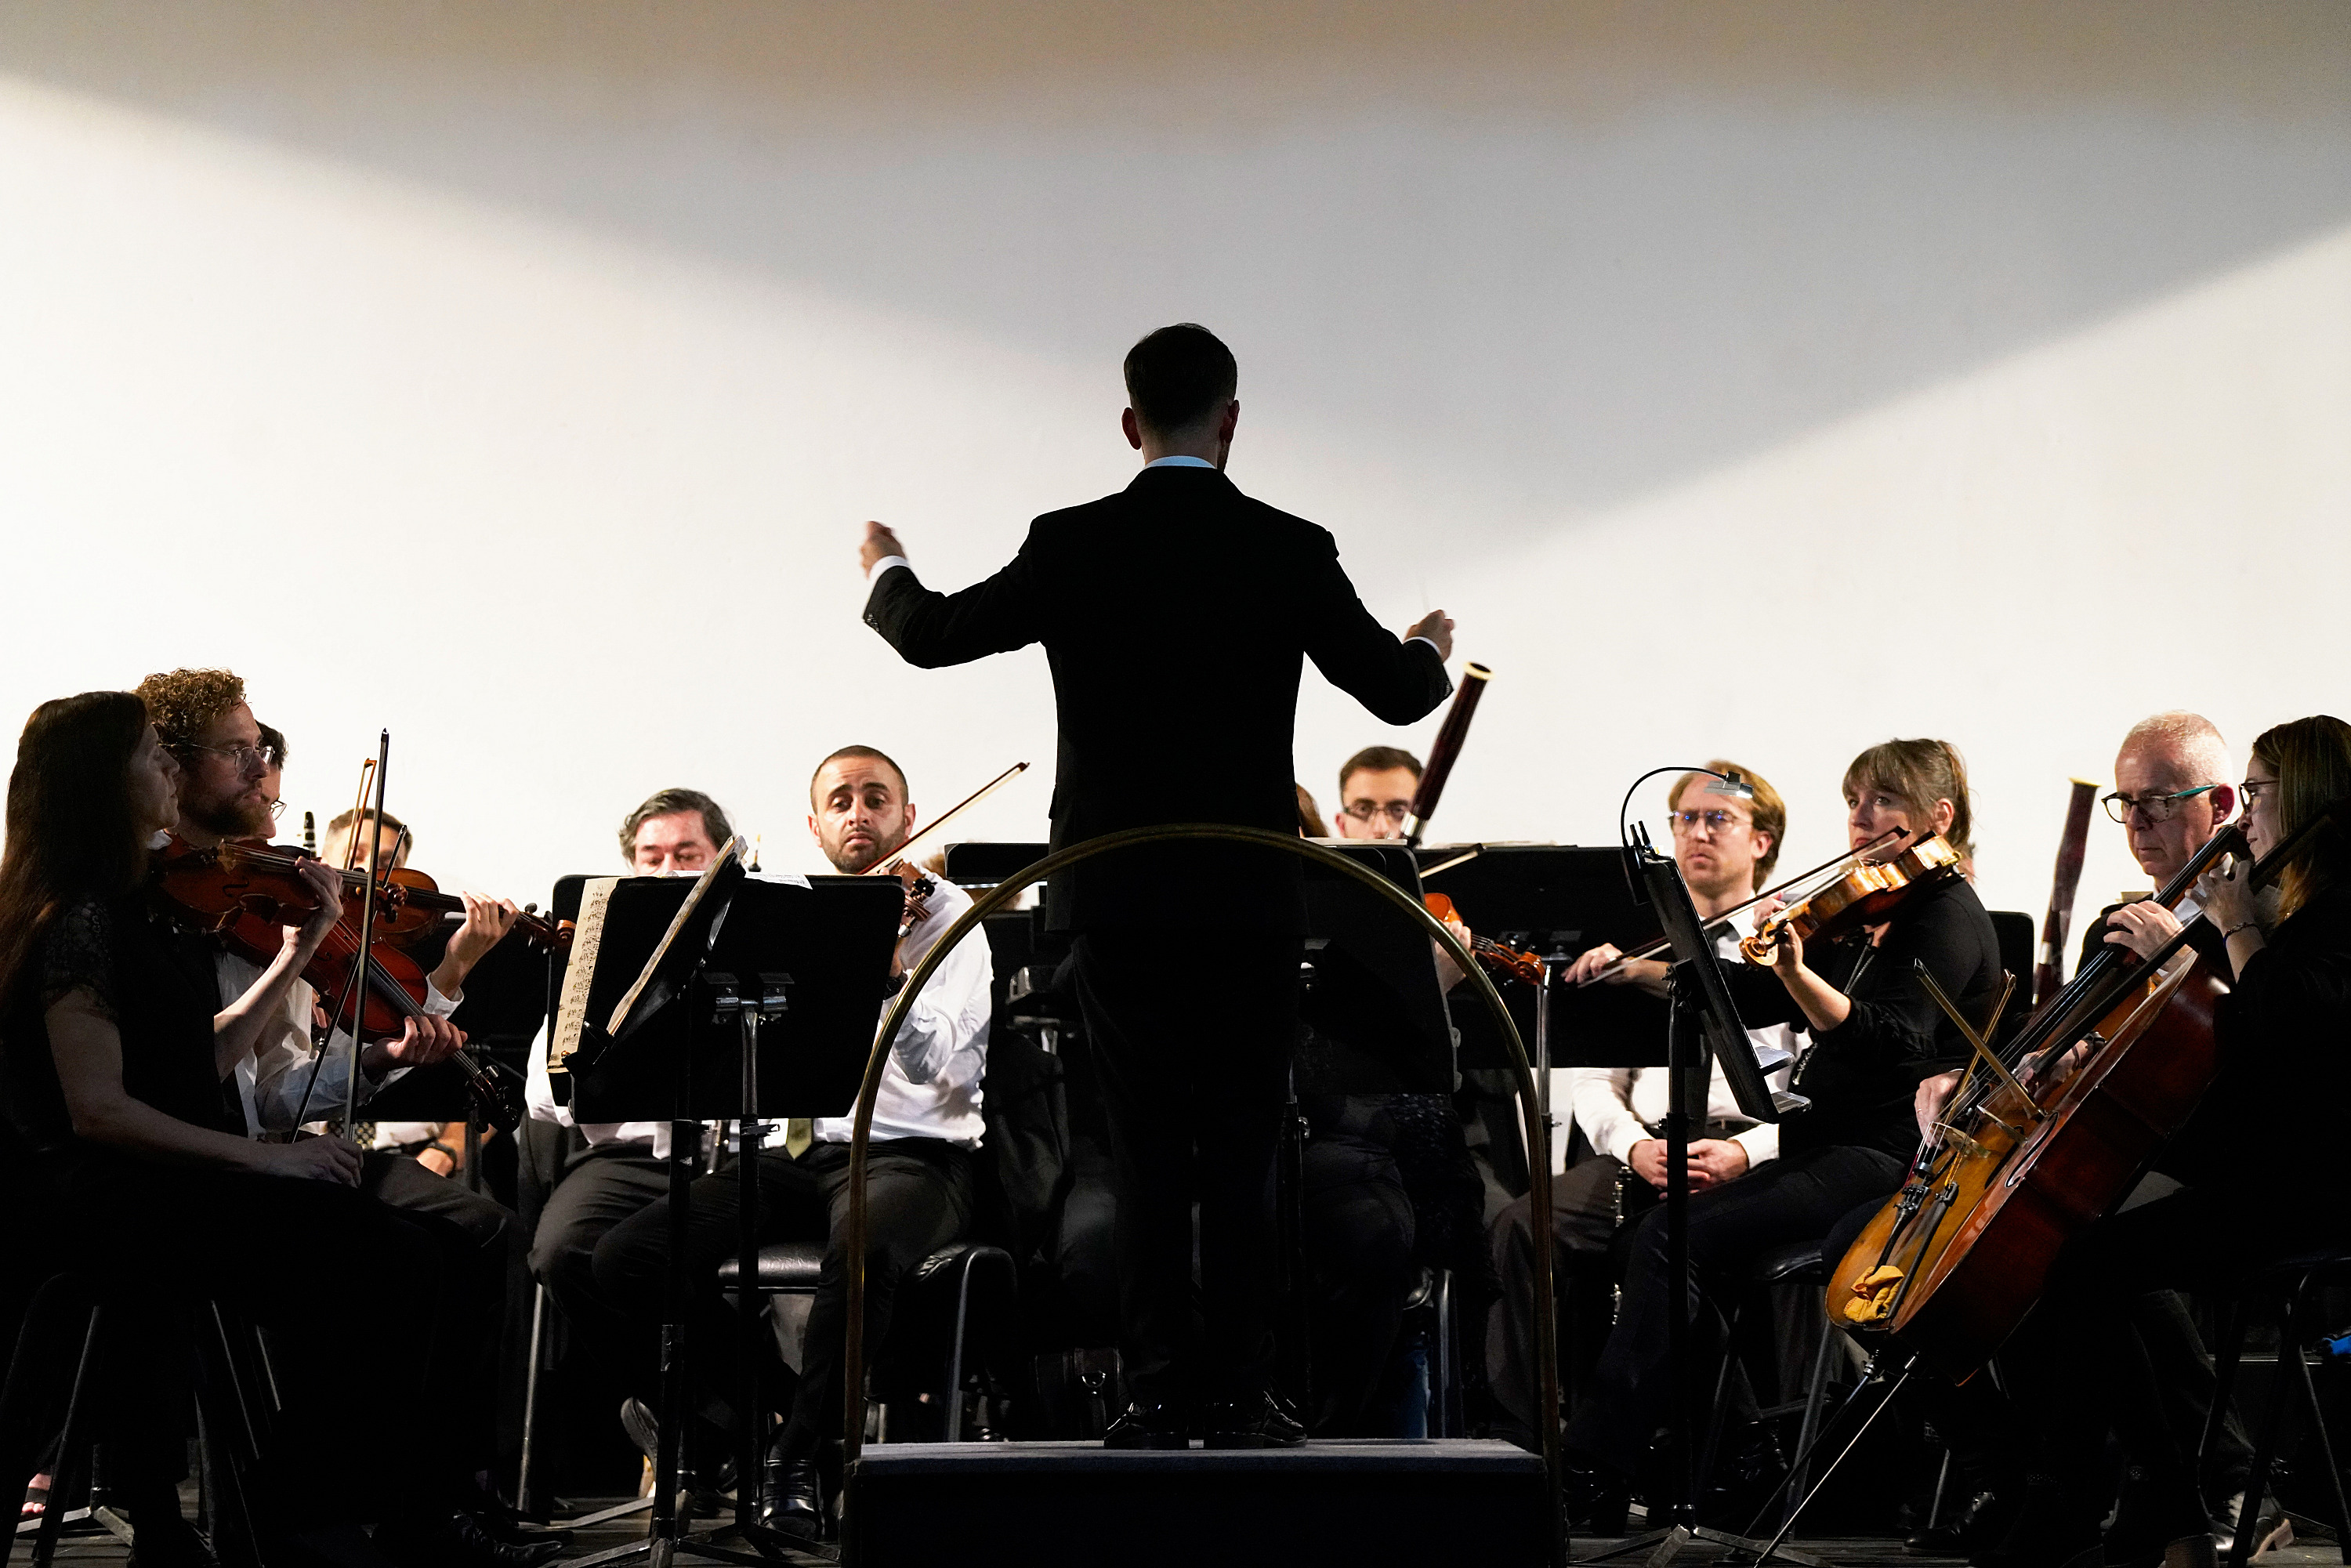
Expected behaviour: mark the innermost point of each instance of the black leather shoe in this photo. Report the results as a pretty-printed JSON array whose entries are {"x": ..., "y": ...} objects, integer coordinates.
[
  {"x": 1981, "y": 1519},
  {"x": 454, "y": 1541},
  {"x": 1594, "y": 1501},
  {"x": 1261, "y": 1421},
  {"x": 1149, "y": 1426},
  {"x": 500, "y": 1523},
  {"x": 792, "y": 1497},
  {"x": 707, "y": 1481}
]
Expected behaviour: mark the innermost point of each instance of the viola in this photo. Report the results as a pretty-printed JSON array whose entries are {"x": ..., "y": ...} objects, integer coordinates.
[
  {"x": 1866, "y": 894},
  {"x": 1508, "y": 962},
  {"x": 248, "y": 905}
]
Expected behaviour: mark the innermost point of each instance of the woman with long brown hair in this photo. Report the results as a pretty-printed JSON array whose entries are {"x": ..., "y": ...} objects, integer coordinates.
[
  {"x": 112, "y": 1057},
  {"x": 2262, "y": 1153}
]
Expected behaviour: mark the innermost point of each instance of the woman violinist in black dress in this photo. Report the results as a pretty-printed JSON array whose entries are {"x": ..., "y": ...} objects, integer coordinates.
[
  {"x": 113, "y": 1058},
  {"x": 2262, "y": 1158},
  {"x": 1874, "y": 1036}
]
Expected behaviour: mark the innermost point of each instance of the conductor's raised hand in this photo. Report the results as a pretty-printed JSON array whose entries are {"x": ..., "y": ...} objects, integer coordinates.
[
  {"x": 880, "y": 545},
  {"x": 1436, "y": 626}
]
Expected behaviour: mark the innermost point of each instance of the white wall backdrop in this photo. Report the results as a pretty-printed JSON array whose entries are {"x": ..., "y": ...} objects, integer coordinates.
[{"x": 1760, "y": 380}]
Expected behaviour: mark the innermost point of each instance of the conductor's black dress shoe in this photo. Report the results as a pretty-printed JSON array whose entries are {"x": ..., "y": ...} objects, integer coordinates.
[
  {"x": 1150, "y": 1426},
  {"x": 1260, "y": 1421},
  {"x": 792, "y": 1497}
]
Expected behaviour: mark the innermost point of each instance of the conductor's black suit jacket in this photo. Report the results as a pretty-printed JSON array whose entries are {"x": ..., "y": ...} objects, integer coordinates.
[{"x": 1177, "y": 615}]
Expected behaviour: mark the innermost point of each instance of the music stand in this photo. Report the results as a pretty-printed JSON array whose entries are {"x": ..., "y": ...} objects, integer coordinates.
[
  {"x": 1558, "y": 900},
  {"x": 705, "y": 1039},
  {"x": 1703, "y": 1027}
]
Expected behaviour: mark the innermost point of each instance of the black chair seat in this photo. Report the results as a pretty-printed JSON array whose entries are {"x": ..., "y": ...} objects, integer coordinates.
[
  {"x": 788, "y": 1266},
  {"x": 2318, "y": 1265},
  {"x": 783, "y": 1266},
  {"x": 953, "y": 1256},
  {"x": 1793, "y": 1262}
]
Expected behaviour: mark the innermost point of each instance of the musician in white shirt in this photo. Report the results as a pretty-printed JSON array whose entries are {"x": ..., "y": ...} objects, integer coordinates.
[
  {"x": 926, "y": 1125},
  {"x": 613, "y": 1169},
  {"x": 1726, "y": 849}
]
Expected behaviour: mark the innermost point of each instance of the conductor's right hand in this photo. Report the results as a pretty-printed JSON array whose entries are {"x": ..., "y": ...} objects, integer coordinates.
[
  {"x": 879, "y": 545},
  {"x": 1438, "y": 627},
  {"x": 316, "y": 1160}
]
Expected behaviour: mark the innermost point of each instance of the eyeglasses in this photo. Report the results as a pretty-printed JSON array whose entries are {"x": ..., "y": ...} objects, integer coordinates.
[
  {"x": 2153, "y": 807},
  {"x": 244, "y": 756},
  {"x": 2253, "y": 788},
  {"x": 1365, "y": 810},
  {"x": 1717, "y": 821}
]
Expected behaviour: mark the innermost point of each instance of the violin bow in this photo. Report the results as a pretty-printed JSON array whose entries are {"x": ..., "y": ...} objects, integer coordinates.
[
  {"x": 1444, "y": 752},
  {"x": 888, "y": 866},
  {"x": 373, "y": 770},
  {"x": 1709, "y": 926}
]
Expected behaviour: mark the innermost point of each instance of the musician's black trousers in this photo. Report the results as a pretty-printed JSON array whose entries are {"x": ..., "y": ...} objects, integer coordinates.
[
  {"x": 1584, "y": 1240},
  {"x": 600, "y": 1186},
  {"x": 489, "y": 1269},
  {"x": 2102, "y": 1368},
  {"x": 1360, "y": 1268},
  {"x": 362, "y": 1302},
  {"x": 1191, "y": 1030},
  {"x": 918, "y": 1200},
  {"x": 1793, "y": 1198}
]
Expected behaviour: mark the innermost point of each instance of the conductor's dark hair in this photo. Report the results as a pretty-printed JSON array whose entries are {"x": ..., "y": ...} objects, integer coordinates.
[
  {"x": 1178, "y": 376},
  {"x": 671, "y": 803},
  {"x": 860, "y": 753}
]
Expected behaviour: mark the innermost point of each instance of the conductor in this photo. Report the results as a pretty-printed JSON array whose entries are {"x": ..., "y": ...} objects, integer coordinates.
[{"x": 1177, "y": 615}]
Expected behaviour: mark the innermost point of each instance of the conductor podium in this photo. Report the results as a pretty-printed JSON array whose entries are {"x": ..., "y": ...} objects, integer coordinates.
[
  {"x": 1045, "y": 1504},
  {"x": 1371, "y": 980}
]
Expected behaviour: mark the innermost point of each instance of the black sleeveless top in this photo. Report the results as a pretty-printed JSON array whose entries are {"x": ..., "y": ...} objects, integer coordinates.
[{"x": 163, "y": 1007}]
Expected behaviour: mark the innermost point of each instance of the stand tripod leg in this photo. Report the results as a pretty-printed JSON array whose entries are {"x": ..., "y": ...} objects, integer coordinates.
[{"x": 1843, "y": 1454}]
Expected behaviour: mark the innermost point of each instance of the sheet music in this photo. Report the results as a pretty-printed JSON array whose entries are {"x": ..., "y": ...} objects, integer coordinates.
[{"x": 586, "y": 936}]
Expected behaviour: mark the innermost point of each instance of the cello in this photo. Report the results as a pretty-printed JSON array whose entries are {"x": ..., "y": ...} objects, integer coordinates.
[{"x": 2014, "y": 1170}]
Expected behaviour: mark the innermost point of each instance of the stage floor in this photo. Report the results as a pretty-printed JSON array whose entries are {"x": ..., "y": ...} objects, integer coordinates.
[{"x": 1872, "y": 1551}]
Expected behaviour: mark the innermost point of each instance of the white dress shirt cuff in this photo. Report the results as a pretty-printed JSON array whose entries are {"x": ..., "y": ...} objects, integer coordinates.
[
  {"x": 1408, "y": 642},
  {"x": 874, "y": 573}
]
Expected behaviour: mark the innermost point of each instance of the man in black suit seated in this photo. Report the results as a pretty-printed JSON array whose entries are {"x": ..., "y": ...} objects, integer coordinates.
[{"x": 1177, "y": 616}]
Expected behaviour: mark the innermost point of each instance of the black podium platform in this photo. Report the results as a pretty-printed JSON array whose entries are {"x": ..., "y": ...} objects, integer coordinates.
[{"x": 1047, "y": 1504}]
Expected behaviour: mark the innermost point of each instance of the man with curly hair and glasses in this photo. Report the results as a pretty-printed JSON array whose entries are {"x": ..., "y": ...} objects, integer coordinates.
[{"x": 230, "y": 767}]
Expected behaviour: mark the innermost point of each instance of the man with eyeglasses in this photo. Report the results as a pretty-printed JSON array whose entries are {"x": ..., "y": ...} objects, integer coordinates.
[
  {"x": 2171, "y": 795},
  {"x": 1375, "y": 790},
  {"x": 228, "y": 792},
  {"x": 1726, "y": 849}
]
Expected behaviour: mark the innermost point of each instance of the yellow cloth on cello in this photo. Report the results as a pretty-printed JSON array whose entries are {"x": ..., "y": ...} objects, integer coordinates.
[{"x": 1873, "y": 1293}]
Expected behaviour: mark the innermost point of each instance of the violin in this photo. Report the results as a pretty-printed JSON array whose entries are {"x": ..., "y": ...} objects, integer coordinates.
[
  {"x": 1866, "y": 895},
  {"x": 1508, "y": 962},
  {"x": 919, "y": 887},
  {"x": 248, "y": 905},
  {"x": 265, "y": 880}
]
